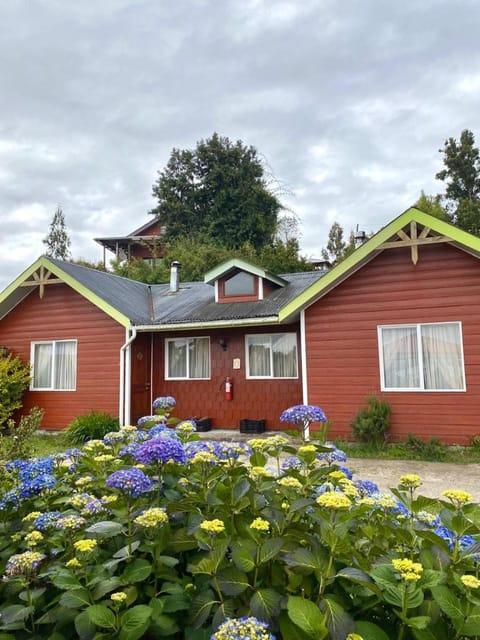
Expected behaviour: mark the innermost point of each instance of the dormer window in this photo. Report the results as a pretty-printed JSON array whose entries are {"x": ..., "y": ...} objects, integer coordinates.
[{"x": 241, "y": 284}]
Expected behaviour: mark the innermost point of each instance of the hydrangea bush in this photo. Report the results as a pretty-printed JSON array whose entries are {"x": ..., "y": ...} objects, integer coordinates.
[{"x": 153, "y": 534}]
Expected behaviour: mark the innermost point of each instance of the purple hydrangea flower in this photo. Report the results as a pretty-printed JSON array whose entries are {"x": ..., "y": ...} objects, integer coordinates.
[
  {"x": 192, "y": 448},
  {"x": 132, "y": 482},
  {"x": 160, "y": 449}
]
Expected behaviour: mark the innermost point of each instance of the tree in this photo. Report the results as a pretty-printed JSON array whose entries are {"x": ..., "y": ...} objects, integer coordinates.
[
  {"x": 462, "y": 178},
  {"x": 57, "y": 241},
  {"x": 218, "y": 190},
  {"x": 432, "y": 205},
  {"x": 337, "y": 249}
]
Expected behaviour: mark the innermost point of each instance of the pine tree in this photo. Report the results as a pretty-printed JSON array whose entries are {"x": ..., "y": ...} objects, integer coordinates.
[{"x": 57, "y": 241}]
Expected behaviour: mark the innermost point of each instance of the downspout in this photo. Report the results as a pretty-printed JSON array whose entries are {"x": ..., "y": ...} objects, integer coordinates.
[
  {"x": 303, "y": 351},
  {"x": 126, "y": 377}
]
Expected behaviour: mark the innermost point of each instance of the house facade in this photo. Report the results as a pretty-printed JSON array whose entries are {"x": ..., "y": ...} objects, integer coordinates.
[{"x": 397, "y": 319}]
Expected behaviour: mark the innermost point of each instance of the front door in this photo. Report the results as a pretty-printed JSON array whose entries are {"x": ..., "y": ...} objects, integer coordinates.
[{"x": 141, "y": 372}]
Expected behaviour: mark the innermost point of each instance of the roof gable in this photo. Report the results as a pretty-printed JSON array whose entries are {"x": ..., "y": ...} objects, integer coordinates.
[
  {"x": 227, "y": 267},
  {"x": 398, "y": 233}
]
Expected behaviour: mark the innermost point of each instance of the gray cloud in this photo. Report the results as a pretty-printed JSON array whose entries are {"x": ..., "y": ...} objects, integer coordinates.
[{"x": 348, "y": 102}]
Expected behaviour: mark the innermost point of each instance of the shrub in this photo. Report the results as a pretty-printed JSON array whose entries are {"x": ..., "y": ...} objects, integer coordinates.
[
  {"x": 90, "y": 426},
  {"x": 14, "y": 380},
  {"x": 372, "y": 423},
  {"x": 431, "y": 449},
  {"x": 18, "y": 443}
]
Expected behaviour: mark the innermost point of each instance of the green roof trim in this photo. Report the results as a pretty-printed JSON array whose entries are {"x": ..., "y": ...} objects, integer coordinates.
[
  {"x": 236, "y": 263},
  {"x": 43, "y": 261},
  {"x": 371, "y": 247}
]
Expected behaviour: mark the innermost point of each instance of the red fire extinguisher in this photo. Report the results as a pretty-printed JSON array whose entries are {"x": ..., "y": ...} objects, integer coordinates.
[{"x": 228, "y": 389}]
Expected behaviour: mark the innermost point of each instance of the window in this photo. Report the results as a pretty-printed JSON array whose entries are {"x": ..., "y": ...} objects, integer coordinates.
[
  {"x": 241, "y": 284},
  {"x": 272, "y": 356},
  {"x": 54, "y": 365},
  {"x": 422, "y": 357},
  {"x": 187, "y": 358}
]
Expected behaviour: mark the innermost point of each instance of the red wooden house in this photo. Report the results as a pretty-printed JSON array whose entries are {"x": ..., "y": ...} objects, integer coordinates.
[
  {"x": 144, "y": 243},
  {"x": 397, "y": 319}
]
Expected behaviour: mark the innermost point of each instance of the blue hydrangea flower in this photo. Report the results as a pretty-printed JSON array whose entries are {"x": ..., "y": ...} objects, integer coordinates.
[
  {"x": 450, "y": 538},
  {"x": 302, "y": 413},
  {"x": 367, "y": 488},
  {"x": 9, "y": 500},
  {"x": 192, "y": 448},
  {"x": 292, "y": 462},
  {"x": 114, "y": 437},
  {"x": 233, "y": 450},
  {"x": 163, "y": 431},
  {"x": 150, "y": 420},
  {"x": 246, "y": 628},
  {"x": 333, "y": 455},
  {"x": 129, "y": 449},
  {"x": 132, "y": 482},
  {"x": 160, "y": 449},
  {"x": 165, "y": 403},
  {"x": 34, "y": 486},
  {"x": 47, "y": 520},
  {"x": 346, "y": 471}
]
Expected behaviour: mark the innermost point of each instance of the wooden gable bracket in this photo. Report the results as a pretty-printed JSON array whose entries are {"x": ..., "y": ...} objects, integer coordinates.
[
  {"x": 40, "y": 279},
  {"x": 414, "y": 240}
]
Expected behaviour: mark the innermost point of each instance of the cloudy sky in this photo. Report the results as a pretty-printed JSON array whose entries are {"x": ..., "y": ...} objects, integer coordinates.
[{"x": 348, "y": 101}]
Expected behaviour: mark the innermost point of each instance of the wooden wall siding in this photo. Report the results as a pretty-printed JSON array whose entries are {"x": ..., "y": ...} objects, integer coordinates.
[
  {"x": 64, "y": 314},
  {"x": 342, "y": 349},
  {"x": 252, "y": 399}
]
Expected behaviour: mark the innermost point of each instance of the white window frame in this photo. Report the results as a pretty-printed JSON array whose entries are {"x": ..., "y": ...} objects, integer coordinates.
[
  {"x": 418, "y": 327},
  {"x": 272, "y": 376},
  {"x": 187, "y": 377},
  {"x": 32, "y": 360}
]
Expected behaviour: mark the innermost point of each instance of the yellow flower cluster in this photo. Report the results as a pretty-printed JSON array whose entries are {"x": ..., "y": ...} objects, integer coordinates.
[
  {"x": 118, "y": 597},
  {"x": 31, "y": 516},
  {"x": 336, "y": 475},
  {"x": 33, "y": 538},
  {"x": 334, "y": 500},
  {"x": 202, "y": 457},
  {"x": 458, "y": 497},
  {"x": 260, "y": 472},
  {"x": 81, "y": 482},
  {"x": 87, "y": 545},
  {"x": 186, "y": 427},
  {"x": 259, "y": 524},
  {"x": 109, "y": 499},
  {"x": 387, "y": 501},
  {"x": 79, "y": 500},
  {"x": 104, "y": 457},
  {"x": 410, "y": 481},
  {"x": 290, "y": 483},
  {"x": 95, "y": 445},
  {"x": 151, "y": 518},
  {"x": 307, "y": 448},
  {"x": 409, "y": 571},
  {"x": 354, "y": 636},
  {"x": 471, "y": 582},
  {"x": 74, "y": 563},
  {"x": 348, "y": 488},
  {"x": 213, "y": 526}
]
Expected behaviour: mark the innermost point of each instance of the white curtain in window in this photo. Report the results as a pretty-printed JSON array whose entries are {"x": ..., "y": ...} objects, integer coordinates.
[
  {"x": 65, "y": 365},
  {"x": 259, "y": 356},
  {"x": 42, "y": 366},
  {"x": 284, "y": 353},
  {"x": 442, "y": 356},
  {"x": 400, "y": 358},
  {"x": 177, "y": 358},
  {"x": 199, "y": 357}
]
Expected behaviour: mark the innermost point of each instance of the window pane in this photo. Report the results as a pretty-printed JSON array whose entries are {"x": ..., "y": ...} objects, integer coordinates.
[
  {"x": 442, "y": 356},
  {"x": 177, "y": 358},
  {"x": 259, "y": 356},
  {"x": 199, "y": 357},
  {"x": 284, "y": 347},
  {"x": 400, "y": 358},
  {"x": 240, "y": 284},
  {"x": 65, "y": 365},
  {"x": 42, "y": 366}
]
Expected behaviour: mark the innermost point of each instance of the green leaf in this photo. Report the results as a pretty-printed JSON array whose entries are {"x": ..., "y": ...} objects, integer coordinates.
[
  {"x": 418, "y": 622},
  {"x": 84, "y": 626},
  {"x": 290, "y": 630},
  {"x": 471, "y": 626},
  {"x": 75, "y": 599},
  {"x": 338, "y": 622},
  {"x": 175, "y": 602},
  {"x": 448, "y": 602},
  {"x": 182, "y": 541},
  {"x": 65, "y": 580},
  {"x": 105, "y": 529},
  {"x": 258, "y": 459},
  {"x": 359, "y": 577},
  {"x": 270, "y": 548},
  {"x": 169, "y": 561},
  {"x": 125, "y": 552},
  {"x": 241, "y": 487},
  {"x": 306, "y": 615},
  {"x": 306, "y": 559},
  {"x": 232, "y": 581},
  {"x": 106, "y": 586},
  {"x": 369, "y": 631},
  {"x": 15, "y": 613},
  {"x": 134, "y": 622},
  {"x": 243, "y": 559},
  {"x": 137, "y": 571},
  {"x": 265, "y": 603},
  {"x": 201, "y": 607},
  {"x": 101, "y": 616}
]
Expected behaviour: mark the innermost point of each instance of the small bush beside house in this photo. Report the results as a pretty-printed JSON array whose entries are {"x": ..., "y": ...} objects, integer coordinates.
[{"x": 95, "y": 424}]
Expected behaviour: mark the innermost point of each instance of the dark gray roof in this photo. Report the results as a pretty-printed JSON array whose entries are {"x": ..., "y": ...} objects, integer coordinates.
[{"x": 193, "y": 302}]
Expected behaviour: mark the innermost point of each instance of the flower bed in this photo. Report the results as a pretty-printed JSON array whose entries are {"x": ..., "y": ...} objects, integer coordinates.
[{"x": 152, "y": 533}]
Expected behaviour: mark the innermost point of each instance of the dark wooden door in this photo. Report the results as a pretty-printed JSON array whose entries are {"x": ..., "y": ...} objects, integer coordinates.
[{"x": 141, "y": 382}]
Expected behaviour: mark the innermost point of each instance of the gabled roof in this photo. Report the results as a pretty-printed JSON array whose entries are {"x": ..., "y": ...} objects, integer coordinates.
[
  {"x": 139, "y": 235},
  {"x": 423, "y": 229},
  {"x": 235, "y": 263}
]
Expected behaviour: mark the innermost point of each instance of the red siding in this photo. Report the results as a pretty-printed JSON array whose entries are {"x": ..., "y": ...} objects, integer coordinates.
[
  {"x": 64, "y": 314},
  {"x": 252, "y": 399},
  {"x": 342, "y": 349}
]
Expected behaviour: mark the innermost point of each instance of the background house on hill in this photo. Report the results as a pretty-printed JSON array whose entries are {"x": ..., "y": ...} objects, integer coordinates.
[
  {"x": 144, "y": 243},
  {"x": 397, "y": 319}
]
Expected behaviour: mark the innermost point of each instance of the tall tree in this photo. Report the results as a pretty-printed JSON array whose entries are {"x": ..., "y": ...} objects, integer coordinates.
[
  {"x": 462, "y": 178},
  {"x": 218, "y": 190},
  {"x": 433, "y": 206},
  {"x": 58, "y": 241}
]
